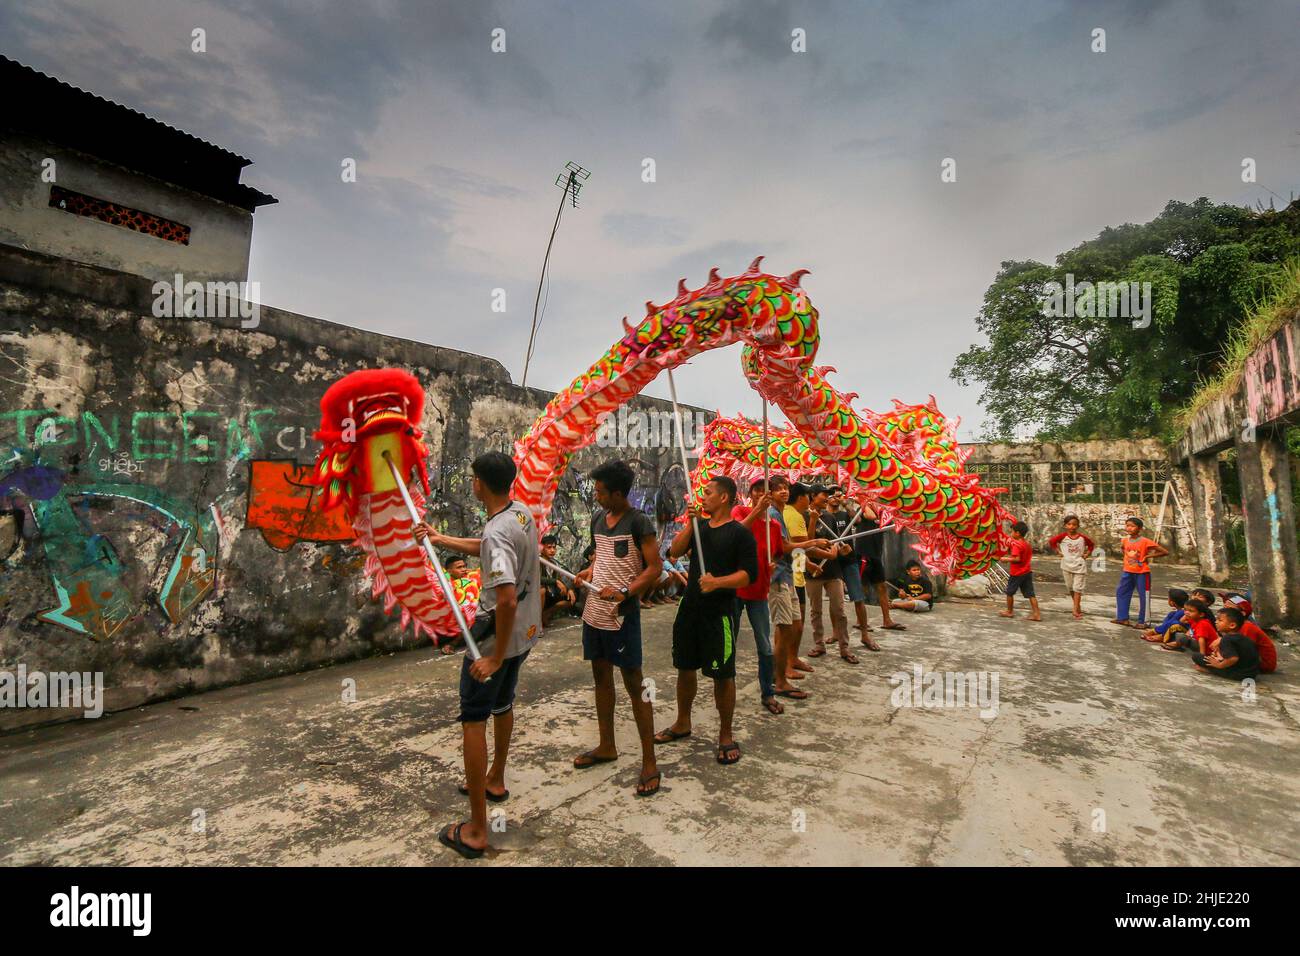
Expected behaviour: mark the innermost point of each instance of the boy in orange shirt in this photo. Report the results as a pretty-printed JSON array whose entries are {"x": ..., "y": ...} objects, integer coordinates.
[{"x": 1138, "y": 550}]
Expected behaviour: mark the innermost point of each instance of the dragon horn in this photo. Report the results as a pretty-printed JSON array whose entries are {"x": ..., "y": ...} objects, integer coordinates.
[
  {"x": 714, "y": 276},
  {"x": 627, "y": 326},
  {"x": 650, "y": 307},
  {"x": 753, "y": 266},
  {"x": 794, "y": 277},
  {"x": 681, "y": 286}
]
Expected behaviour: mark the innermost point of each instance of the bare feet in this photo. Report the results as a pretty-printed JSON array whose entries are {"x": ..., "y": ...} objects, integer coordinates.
[
  {"x": 795, "y": 675},
  {"x": 1035, "y": 616},
  {"x": 1006, "y": 614},
  {"x": 802, "y": 665}
]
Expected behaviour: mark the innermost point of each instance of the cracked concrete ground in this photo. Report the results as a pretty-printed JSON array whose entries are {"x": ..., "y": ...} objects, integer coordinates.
[{"x": 1104, "y": 750}]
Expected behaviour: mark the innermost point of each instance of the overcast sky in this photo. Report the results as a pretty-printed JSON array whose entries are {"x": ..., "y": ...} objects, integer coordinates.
[{"x": 827, "y": 160}]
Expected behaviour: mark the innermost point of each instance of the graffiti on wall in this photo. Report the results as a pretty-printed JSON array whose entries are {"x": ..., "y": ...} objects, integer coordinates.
[
  {"x": 279, "y": 496},
  {"x": 82, "y": 530}
]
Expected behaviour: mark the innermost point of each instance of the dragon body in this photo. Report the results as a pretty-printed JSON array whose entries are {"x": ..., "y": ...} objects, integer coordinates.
[
  {"x": 958, "y": 521},
  {"x": 906, "y": 461}
]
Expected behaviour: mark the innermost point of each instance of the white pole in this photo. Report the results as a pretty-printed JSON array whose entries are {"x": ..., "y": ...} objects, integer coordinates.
[
  {"x": 681, "y": 445},
  {"x": 437, "y": 565},
  {"x": 568, "y": 574},
  {"x": 862, "y": 534}
]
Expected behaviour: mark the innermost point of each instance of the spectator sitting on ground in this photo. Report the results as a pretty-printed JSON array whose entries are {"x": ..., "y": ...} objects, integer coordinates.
[
  {"x": 1177, "y": 599},
  {"x": 1199, "y": 635},
  {"x": 1264, "y": 643},
  {"x": 1203, "y": 595},
  {"x": 557, "y": 595},
  {"x": 1234, "y": 655},
  {"x": 915, "y": 593}
]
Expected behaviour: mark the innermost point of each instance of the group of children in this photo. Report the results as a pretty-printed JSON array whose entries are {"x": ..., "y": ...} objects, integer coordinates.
[{"x": 1227, "y": 643}]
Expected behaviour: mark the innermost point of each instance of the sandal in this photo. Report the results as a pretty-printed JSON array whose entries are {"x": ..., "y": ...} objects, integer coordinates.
[
  {"x": 725, "y": 752},
  {"x": 591, "y": 759},
  {"x": 669, "y": 735},
  {"x": 450, "y": 837},
  {"x": 501, "y": 797},
  {"x": 793, "y": 694},
  {"x": 817, "y": 651},
  {"x": 869, "y": 644},
  {"x": 849, "y": 658},
  {"x": 894, "y": 626},
  {"x": 773, "y": 705},
  {"x": 644, "y": 782}
]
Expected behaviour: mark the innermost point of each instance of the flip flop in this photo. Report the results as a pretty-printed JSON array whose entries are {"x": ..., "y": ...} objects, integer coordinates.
[
  {"x": 453, "y": 841},
  {"x": 656, "y": 777},
  {"x": 726, "y": 750},
  {"x": 592, "y": 760},
  {"x": 773, "y": 706},
  {"x": 848, "y": 658},
  {"x": 669, "y": 736},
  {"x": 895, "y": 626},
  {"x": 870, "y": 645},
  {"x": 492, "y": 797},
  {"x": 817, "y": 652},
  {"x": 793, "y": 694}
]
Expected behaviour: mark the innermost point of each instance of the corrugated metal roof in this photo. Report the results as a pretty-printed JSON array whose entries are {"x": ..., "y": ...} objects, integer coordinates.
[{"x": 47, "y": 107}]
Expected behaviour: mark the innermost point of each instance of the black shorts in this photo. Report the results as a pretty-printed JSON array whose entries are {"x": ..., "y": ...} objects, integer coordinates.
[
  {"x": 480, "y": 700},
  {"x": 704, "y": 640},
  {"x": 873, "y": 571},
  {"x": 1024, "y": 583}
]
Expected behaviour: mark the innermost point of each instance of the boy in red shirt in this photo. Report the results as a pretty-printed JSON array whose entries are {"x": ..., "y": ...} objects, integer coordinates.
[
  {"x": 1136, "y": 576},
  {"x": 754, "y": 596},
  {"x": 1022, "y": 575},
  {"x": 1200, "y": 635}
]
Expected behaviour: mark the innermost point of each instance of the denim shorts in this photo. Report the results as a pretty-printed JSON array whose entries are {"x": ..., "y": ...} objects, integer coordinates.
[
  {"x": 480, "y": 700},
  {"x": 853, "y": 583}
]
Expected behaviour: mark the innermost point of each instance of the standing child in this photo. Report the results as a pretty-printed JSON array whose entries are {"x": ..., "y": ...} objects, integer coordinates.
[
  {"x": 1021, "y": 573},
  {"x": 1138, "y": 550},
  {"x": 1074, "y": 549}
]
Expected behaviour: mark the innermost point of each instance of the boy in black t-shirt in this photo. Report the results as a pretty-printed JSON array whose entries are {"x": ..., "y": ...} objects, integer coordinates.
[
  {"x": 1233, "y": 655},
  {"x": 708, "y": 618},
  {"x": 915, "y": 592}
]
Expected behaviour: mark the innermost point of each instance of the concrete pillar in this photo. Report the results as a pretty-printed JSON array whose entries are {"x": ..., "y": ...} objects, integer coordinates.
[
  {"x": 1265, "y": 470},
  {"x": 1207, "y": 517}
]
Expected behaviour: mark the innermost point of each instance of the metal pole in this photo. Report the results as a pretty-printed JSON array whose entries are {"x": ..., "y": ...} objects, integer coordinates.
[
  {"x": 681, "y": 446},
  {"x": 443, "y": 582},
  {"x": 767, "y": 490}
]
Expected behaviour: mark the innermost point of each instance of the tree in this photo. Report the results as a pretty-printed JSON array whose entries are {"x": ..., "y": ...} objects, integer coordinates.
[{"x": 1087, "y": 375}]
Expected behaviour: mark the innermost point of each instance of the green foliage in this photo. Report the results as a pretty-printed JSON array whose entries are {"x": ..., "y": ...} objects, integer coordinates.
[{"x": 1080, "y": 376}]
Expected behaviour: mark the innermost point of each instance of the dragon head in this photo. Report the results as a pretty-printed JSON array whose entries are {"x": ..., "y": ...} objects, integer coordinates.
[{"x": 364, "y": 416}]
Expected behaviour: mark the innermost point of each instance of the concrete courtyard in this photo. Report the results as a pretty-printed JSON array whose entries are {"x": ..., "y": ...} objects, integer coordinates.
[{"x": 1104, "y": 750}]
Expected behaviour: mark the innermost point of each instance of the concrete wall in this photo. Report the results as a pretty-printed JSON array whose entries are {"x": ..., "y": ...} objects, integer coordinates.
[
  {"x": 1042, "y": 505},
  {"x": 128, "y": 440},
  {"x": 220, "y": 235}
]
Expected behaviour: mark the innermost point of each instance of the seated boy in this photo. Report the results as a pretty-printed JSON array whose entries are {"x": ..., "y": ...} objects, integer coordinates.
[
  {"x": 1234, "y": 656},
  {"x": 1199, "y": 634},
  {"x": 915, "y": 592},
  {"x": 1177, "y": 599},
  {"x": 1263, "y": 643},
  {"x": 557, "y": 595}
]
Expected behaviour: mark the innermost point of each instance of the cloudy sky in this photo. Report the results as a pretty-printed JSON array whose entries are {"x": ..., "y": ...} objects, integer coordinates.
[{"x": 827, "y": 159}]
